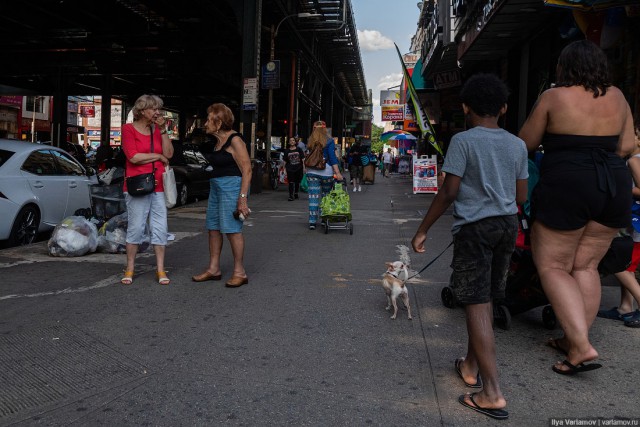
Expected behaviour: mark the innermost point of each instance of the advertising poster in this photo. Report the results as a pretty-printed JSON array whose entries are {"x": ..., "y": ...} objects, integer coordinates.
[
  {"x": 391, "y": 109},
  {"x": 425, "y": 174}
]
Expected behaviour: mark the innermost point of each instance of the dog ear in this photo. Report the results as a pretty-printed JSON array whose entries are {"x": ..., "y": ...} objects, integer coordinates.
[{"x": 389, "y": 264}]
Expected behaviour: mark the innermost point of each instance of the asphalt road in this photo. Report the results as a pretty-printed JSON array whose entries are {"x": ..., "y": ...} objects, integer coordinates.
[{"x": 306, "y": 343}]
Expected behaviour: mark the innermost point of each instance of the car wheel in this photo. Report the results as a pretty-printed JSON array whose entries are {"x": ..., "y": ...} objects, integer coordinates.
[
  {"x": 183, "y": 194},
  {"x": 25, "y": 227}
]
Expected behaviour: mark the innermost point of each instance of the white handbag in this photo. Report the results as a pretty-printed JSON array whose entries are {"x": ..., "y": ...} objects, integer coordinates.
[{"x": 170, "y": 190}]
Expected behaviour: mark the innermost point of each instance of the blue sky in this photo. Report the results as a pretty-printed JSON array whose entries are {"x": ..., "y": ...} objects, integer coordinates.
[{"x": 381, "y": 23}]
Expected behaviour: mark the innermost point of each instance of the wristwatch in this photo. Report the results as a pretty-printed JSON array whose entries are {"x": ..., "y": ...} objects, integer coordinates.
[{"x": 243, "y": 196}]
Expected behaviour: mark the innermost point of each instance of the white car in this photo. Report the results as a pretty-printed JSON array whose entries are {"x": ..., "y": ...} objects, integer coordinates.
[{"x": 39, "y": 187}]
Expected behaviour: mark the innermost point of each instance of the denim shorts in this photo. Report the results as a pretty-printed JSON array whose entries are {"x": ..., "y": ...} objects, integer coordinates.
[
  {"x": 223, "y": 200},
  {"x": 481, "y": 257},
  {"x": 151, "y": 209}
]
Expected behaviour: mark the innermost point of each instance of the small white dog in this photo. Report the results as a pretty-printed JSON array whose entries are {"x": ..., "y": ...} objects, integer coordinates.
[{"x": 393, "y": 282}]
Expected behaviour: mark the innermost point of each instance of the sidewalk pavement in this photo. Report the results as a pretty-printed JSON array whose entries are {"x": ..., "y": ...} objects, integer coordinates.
[{"x": 306, "y": 343}]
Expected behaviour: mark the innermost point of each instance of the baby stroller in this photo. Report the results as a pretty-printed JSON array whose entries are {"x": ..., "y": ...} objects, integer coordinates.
[{"x": 335, "y": 209}]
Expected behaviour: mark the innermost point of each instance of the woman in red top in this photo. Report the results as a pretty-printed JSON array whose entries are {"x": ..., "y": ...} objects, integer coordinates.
[{"x": 136, "y": 143}]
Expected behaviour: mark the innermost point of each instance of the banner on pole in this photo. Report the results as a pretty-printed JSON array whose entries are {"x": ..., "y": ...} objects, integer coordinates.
[{"x": 421, "y": 115}]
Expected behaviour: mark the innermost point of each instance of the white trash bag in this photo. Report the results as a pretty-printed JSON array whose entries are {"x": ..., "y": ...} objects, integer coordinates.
[
  {"x": 113, "y": 234},
  {"x": 74, "y": 236}
]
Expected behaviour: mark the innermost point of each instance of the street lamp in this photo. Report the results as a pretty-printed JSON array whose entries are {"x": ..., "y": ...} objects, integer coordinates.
[
  {"x": 33, "y": 118},
  {"x": 274, "y": 34}
]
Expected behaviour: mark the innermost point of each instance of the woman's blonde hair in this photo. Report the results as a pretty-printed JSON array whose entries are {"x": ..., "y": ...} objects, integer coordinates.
[
  {"x": 145, "y": 102},
  {"x": 318, "y": 136}
]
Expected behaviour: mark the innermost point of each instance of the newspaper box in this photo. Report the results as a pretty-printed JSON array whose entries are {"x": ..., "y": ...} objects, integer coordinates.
[{"x": 425, "y": 174}]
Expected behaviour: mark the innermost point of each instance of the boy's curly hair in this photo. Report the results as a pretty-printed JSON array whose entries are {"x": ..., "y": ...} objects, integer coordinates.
[{"x": 485, "y": 94}]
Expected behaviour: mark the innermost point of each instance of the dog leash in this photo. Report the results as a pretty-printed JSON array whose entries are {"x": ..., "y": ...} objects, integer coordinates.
[{"x": 430, "y": 262}]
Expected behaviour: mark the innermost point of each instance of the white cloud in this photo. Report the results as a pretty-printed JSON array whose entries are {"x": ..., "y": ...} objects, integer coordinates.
[
  {"x": 390, "y": 80},
  {"x": 370, "y": 40}
]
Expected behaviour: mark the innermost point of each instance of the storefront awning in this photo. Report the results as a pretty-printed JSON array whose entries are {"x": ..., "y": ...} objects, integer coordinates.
[
  {"x": 418, "y": 81},
  {"x": 587, "y": 5}
]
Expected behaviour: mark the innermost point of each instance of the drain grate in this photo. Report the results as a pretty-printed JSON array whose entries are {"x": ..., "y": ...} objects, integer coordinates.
[{"x": 51, "y": 364}]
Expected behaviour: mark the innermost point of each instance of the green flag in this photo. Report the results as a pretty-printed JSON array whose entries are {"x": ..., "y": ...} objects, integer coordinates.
[{"x": 421, "y": 115}]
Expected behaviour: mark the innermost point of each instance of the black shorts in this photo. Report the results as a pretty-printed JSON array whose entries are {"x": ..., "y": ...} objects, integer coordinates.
[{"x": 481, "y": 257}]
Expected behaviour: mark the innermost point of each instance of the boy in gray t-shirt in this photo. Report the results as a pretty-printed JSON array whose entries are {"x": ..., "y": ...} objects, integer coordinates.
[{"x": 486, "y": 177}]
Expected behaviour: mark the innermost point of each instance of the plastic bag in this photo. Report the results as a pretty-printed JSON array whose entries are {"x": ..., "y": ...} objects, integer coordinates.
[
  {"x": 113, "y": 234},
  {"x": 170, "y": 190},
  {"x": 337, "y": 202},
  {"x": 304, "y": 185},
  {"x": 74, "y": 236}
]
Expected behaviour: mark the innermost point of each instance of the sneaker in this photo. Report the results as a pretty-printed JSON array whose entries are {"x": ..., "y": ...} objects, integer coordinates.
[
  {"x": 290, "y": 199},
  {"x": 312, "y": 226},
  {"x": 359, "y": 188},
  {"x": 295, "y": 196},
  {"x": 355, "y": 189}
]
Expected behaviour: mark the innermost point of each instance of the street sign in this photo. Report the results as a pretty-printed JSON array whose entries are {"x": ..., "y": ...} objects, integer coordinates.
[
  {"x": 250, "y": 94},
  {"x": 271, "y": 75}
]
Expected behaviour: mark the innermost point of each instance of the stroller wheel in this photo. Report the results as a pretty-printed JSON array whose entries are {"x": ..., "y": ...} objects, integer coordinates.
[
  {"x": 350, "y": 229},
  {"x": 448, "y": 298},
  {"x": 502, "y": 317},
  {"x": 549, "y": 317},
  {"x": 326, "y": 227}
]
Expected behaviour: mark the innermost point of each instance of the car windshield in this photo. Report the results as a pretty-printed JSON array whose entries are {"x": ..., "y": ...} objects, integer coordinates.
[{"x": 4, "y": 156}]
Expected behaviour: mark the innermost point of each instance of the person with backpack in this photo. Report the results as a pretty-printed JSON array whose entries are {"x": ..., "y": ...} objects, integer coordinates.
[{"x": 322, "y": 165}]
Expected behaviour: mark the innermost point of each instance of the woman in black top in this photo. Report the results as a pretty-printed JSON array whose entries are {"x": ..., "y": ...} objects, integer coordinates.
[
  {"x": 293, "y": 163},
  {"x": 227, "y": 206}
]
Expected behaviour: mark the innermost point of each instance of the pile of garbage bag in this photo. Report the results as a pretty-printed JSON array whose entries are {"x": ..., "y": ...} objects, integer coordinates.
[
  {"x": 113, "y": 233},
  {"x": 74, "y": 236},
  {"x": 78, "y": 236}
]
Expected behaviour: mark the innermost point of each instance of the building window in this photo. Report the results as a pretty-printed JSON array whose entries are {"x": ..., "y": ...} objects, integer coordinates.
[{"x": 38, "y": 101}]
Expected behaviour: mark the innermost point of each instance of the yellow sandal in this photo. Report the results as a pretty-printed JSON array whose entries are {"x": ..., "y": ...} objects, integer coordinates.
[
  {"x": 162, "y": 278},
  {"x": 127, "y": 279}
]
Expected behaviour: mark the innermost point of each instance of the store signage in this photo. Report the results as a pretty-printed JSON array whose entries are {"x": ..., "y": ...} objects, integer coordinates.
[
  {"x": 391, "y": 107},
  {"x": 271, "y": 75},
  {"x": 88, "y": 111},
  {"x": 447, "y": 79},
  {"x": 12, "y": 101},
  {"x": 250, "y": 94}
]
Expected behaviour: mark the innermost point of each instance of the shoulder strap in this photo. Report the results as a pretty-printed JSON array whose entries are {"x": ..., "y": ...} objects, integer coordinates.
[{"x": 228, "y": 143}]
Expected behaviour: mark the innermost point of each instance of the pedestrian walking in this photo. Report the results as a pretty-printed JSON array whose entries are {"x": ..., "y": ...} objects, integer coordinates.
[
  {"x": 583, "y": 196},
  {"x": 387, "y": 159},
  {"x": 486, "y": 178},
  {"x": 293, "y": 158},
  {"x": 320, "y": 181}
]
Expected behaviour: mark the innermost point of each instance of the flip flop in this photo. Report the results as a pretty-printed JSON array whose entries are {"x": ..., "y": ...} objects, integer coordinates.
[
  {"x": 633, "y": 321},
  {"x": 478, "y": 383},
  {"x": 614, "y": 314},
  {"x": 553, "y": 343},
  {"x": 498, "y": 414},
  {"x": 573, "y": 369}
]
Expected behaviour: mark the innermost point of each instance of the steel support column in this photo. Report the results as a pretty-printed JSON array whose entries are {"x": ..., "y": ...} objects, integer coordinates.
[
  {"x": 105, "y": 111},
  {"x": 251, "y": 35}
]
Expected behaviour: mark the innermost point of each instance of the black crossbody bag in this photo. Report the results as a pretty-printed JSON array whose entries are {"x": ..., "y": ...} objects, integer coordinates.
[{"x": 143, "y": 184}]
